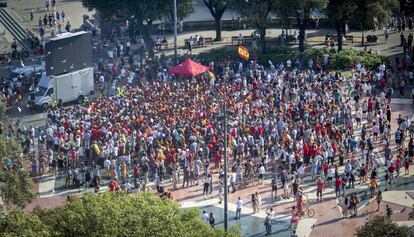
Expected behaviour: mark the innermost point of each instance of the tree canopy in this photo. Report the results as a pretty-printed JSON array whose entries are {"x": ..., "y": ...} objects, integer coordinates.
[
  {"x": 382, "y": 226},
  {"x": 15, "y": 183},
  {"x": 364, "y": 15},
  {"x": 111, "y": 214},
  {"x": 372, "y": 14}
]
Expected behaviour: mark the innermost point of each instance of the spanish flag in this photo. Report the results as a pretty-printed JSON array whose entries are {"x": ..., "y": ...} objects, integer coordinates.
[{"x": 243, "y": 53}]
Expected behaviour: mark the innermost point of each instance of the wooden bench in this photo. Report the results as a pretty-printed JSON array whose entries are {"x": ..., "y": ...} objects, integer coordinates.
[
  {"x": 248, "y": 40},
  {"x": 234, "y": 39},
  {"x": 275, "y": 41},
  {"x": 348, "y": 38},
  {"x": 245, "y": 40},
  {"x": 208, "y": 40},
  {"x": 160, "y": 45}
]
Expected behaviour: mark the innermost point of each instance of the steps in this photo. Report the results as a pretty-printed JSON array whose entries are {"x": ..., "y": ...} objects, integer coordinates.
[{"x": 15, "y": 29}]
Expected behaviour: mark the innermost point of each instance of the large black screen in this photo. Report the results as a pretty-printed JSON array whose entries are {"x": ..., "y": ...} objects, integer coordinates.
[{"x": 68, "y": 53}]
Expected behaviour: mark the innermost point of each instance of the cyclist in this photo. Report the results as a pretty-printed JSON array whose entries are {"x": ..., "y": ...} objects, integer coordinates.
[{"x": 299, "y": 205}]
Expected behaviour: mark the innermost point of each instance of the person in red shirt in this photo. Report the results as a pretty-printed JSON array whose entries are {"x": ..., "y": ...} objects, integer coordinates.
[
  {"x": 407, "y": 166},
  {"x": 325, "y": 168},
  {"x": 338, "y": 184},
  {"x": 136, "y": 172},
  {"x": 320, "y": 187},
  {"x": 295, "y": 219},
  {"x": 398, "y": 165},
  {"x": 217, "y": 159},
  {"x": 391, "y": 171},
  {"x": 111, "y": 186}
]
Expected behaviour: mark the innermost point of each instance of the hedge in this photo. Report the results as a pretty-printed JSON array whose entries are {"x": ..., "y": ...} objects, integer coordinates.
[{"x": 340, "y": 61}]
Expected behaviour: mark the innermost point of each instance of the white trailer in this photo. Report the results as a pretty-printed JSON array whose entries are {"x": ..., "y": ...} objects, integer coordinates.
[{"x": 63, "y": 88}]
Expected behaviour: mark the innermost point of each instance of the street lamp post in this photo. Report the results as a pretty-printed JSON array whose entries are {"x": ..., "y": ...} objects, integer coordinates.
[
  {"x": 175, "y": 30},
  {"x": 225, "y": 166}
]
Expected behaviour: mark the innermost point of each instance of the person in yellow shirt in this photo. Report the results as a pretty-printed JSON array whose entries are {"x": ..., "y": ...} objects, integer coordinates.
[
  {"x": 124, "y": 171},
  {"x": 122, "y": 137},
  {"x": 374, "y": 185},
  {"x": 96, "y": 149}
]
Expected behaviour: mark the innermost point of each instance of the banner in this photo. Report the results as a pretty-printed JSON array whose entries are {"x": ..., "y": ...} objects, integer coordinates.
[{"x": 243, "y": 53}]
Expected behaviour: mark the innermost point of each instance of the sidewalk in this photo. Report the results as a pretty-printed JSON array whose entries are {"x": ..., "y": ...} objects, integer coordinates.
[{"x": 73, "y": 10}]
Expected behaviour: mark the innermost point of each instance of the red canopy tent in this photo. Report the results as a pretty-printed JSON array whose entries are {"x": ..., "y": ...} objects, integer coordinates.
[{"x": 188, "y": 68}]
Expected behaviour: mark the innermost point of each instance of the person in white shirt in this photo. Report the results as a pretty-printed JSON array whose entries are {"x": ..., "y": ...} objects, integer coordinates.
[
  {"x": 107, "y": 165},
  {"x": 292, "y": 161},
  {"x": 205, "y": 217},
  {"x": 358, "y": 118},
  {"x": 110, "y": 54},
  {"x": 262, "y": 170},
  {"x": 331, "y": 173},
  {"x": 239, "y": 205}
]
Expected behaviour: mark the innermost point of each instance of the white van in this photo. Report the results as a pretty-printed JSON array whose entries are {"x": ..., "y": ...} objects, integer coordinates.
[{"x": 65, "y": 88}]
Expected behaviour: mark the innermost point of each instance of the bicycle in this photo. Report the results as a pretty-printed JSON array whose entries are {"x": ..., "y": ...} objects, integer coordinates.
[{"x": 307, "y": 210}]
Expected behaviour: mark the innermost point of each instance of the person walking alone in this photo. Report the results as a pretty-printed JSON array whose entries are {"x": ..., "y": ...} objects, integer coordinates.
[
  {"x": 268, "y": 224},
  {"x": 239, "y": 205},
  {"x": 320, "y": 187},
  {"x": 206, "y": 184},
  {"x": 379, "y": 199},
  {"x": 212, "y": 220}
]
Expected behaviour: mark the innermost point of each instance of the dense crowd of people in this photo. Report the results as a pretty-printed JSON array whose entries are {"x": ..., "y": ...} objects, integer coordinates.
[{"x": 284, "y": 122}]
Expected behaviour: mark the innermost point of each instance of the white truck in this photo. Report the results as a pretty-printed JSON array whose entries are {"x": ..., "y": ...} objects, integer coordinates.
[{"x": 63, "y": 88}]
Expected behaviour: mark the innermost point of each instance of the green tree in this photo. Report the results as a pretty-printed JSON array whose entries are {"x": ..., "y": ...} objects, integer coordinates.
[
  {"x": 110, "y": 214},
  {"x": 258, "y": 11},
  {"x": 144, "y": 13},
  {"x": 382, "y": 226},
  {"x": 372, "y": 14},
  {"x": 15, "y": 183},
  {"x": 19, "y": 224},
  {"x": 340, "y": 12},
  {"x": 217, "y": 8}
]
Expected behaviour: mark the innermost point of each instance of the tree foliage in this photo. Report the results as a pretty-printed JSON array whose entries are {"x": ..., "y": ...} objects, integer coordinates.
[
  {"x": 144, "y": 13},
  {"x": 115, "y": 214},
  {"x": 15, "y": 183},
  {"x": 382, "y": 226},
  {"x": 20, "y": 224},
  {"x": 365, "y": 15},
  {"x": 372, "y": 14}
]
